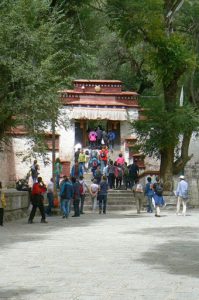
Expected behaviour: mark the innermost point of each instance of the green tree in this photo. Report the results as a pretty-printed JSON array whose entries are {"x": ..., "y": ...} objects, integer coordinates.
[{"x": 158, "y": 25}]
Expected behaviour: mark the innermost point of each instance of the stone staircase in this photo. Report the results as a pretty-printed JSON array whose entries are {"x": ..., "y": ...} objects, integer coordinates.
[{"x": 117, "y": 199}]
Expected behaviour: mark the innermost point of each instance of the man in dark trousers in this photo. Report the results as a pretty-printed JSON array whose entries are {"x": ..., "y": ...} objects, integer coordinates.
[
  {"x": 37, "y": 200},
  {"x": 133, "y": 173},
  {"x": 76, "y": 196}
]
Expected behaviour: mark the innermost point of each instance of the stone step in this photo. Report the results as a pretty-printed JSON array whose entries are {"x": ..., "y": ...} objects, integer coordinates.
[{"x": 112, "y": 207}]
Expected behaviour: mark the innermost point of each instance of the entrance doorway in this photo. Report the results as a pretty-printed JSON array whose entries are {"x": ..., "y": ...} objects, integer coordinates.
[{"x": 83, "y": 127}]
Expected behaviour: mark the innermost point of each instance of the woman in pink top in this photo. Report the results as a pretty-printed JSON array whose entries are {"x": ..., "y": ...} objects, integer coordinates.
[{"x": 120, "y": 160}]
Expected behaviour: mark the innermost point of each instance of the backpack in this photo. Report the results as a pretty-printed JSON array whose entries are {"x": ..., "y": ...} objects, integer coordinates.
[
  {"x": 81, "y": 189},
  {"x": 120, "y": 172},
  {"x": 95, "y": 163},
  {"x": 102, "y": 155},
  {"x": 158, "y": 189},
  {"x": 126, "y": 172}
]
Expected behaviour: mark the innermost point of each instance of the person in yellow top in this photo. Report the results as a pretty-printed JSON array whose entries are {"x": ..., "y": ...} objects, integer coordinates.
[
  {"x": 82, "y": 159},
  {"x": 2, "y": 204}
]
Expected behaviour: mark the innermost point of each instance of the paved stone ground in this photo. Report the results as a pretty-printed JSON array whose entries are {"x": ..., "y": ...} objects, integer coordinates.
[{"x": 118, "y": 256}]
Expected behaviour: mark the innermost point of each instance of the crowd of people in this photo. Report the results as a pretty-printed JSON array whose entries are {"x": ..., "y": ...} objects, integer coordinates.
[
  {"x": 99, "y": 137},
  {"x": 106, "y": 175}
]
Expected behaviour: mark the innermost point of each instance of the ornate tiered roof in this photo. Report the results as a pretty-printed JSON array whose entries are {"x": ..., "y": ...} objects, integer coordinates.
[{"x": 103, "y": 93}]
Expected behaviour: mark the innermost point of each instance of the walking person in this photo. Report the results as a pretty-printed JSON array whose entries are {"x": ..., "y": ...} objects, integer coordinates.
[
  {"x": 82, "y": 159},
  {"x": 58, "y": 171},
  {"x": 158, "y": 199},
  {"x": 111, "y": 139},
  {"x": 149, "y": 193},
  {"x": 50, "y": 197},
  {"x": 94, "y": 188},
  {"x": 133, "y": 173},
  {"x": 66, "y": 195},
  {"x": 182, "y": 194},
  {"x": 139, "y": 195},
  {"x": 103, "y": 192},
  {"x": 77, "y": 154},
  {"x": 2, "y": 204},
  {"x": 120, "y": 160},
  {"x": 77, "y": 170},
  {"x": 94, "y": 162},
  {"x": 99, "y": 136},
  {"x": 111, "y": 175},
  {"x": 83, "y": 189},
  {"x": 98, "y": 174},
  {"x": 126, "y": 176},
  {"x": 37, "y": 200},
  {"x": 34, "y": 171},
  {"x": 76, "y": 196},
  {"x": 103, "y": 157},
  {"x": 92, "y": 136}
]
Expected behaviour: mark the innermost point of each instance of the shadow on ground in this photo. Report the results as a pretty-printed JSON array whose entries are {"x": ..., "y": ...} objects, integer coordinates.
[
  {"x": 15, "y": 293},
  {"x": 176, "y": 257},
  {"x": 20, "y": 231}
]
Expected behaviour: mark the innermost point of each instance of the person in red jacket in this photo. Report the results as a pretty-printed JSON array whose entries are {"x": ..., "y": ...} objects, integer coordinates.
[{"x": 37, "y": 200}]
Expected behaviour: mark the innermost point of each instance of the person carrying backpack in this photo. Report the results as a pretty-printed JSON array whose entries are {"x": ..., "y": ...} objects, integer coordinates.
[
  {"x": 158, "y": 199},
  {"x": 66, "y": 195},
  {"x": 94, "y": 163},
  {"x": 149, "y": 193},
  {"x": 98, "y": 174},
  {"x": 118, "y": 176},
  {"x": 103, "y": 157},
  {"x": 92, "y": 138}
]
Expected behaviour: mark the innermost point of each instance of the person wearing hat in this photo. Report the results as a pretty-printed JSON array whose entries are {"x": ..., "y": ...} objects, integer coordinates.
[{"x": 182, "y": 194}]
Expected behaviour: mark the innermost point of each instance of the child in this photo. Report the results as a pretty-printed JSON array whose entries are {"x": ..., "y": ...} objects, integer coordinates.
[{"x": 2, "y": 204}]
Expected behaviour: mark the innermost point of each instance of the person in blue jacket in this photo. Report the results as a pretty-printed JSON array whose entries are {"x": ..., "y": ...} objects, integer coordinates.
[
  {"x": 66, "y": 195},
  {"x": 77, "y": 170},
  {"x": 149, "y": 193}
]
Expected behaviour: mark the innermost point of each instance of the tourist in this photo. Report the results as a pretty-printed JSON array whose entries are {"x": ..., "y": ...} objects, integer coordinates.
[
  {"x": 66, "y": 195},
  {"x": 111, "y": 175},
  {"x": 182, "y": 194},
  {"x": 104, "y": 138},
  {"x": 82, "y": 159},
  {"x": 77, "y": 170},
  {"x": 120, "y": 160},
  {"x": 34, "y": 171},
  {"x": 2, "y": 204},
  {"x": 103, "y": 191},
  {"x": 77, "y": 154},
  {"x": 37, "y": 200},
  {"x": 86, "y": 165},
  {"x": 76, "y": 196},
  {"x": 103, "y": 157},
  {"x": 118, "y": 175},
  {"x": 50, "y": 197},
  {"x": 94, "y": 162},
  {"x": 98, "y": 174},
  {"x": 158, "y": 200},
  {"x": 92, "y": 138},
  {"x": 99, "y": 135},
  {"x": 111, "y": 139},
  {"x": 94, "y": 188},
  {"x": 139, "y": 195},
  {"x": 83, "y": 189},
  {"x": 133, "y": 173},
  {"x": 57, "y": 171},
  {"x": 126, "y": 176},
  {"x": 149, "y": 193}
]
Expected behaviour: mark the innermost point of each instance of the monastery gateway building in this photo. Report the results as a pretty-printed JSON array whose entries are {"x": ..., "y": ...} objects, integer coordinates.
[{"x": 89, "y": 104}]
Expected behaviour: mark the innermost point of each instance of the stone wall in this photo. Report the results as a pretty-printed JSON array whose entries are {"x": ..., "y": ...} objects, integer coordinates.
[{"x": 17, "y": 203}]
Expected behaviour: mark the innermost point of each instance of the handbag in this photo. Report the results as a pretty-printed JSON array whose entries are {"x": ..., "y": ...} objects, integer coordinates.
[{"x": 56, "y": 203}]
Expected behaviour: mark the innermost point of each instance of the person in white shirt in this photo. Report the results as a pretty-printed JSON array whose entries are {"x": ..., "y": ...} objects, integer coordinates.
[
  {"x": 94, "y": 188},
  {"x": 182, "y": 194},
  {"x": 50, "y": 197}
]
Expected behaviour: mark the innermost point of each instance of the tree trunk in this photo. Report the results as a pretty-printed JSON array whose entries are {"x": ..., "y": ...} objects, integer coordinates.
[
  {"x": 180, "y": 163},
  {"x": 166, "y": 167}
]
